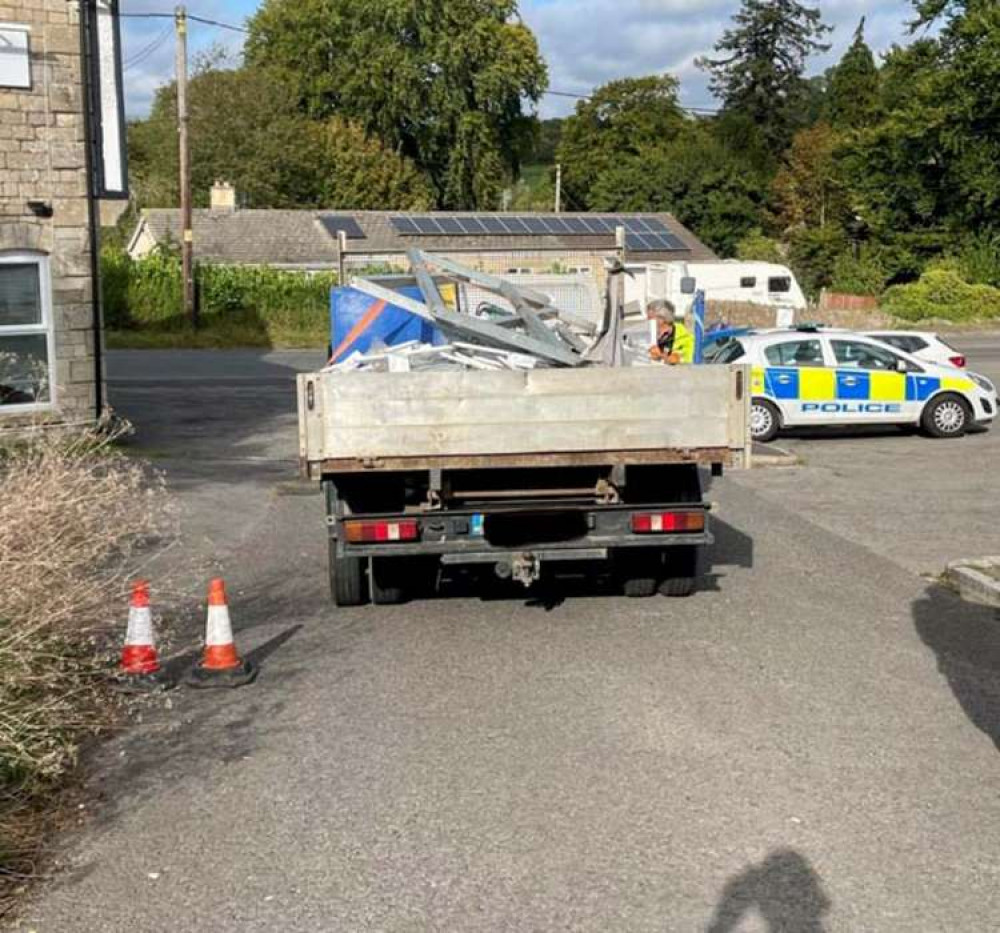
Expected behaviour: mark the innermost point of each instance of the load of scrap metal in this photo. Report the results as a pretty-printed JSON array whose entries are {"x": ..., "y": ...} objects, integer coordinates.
[{"x": 534, "y": 334}]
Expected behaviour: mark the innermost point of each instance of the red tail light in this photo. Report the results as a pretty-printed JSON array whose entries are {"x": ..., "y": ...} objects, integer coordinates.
[
  {"x": 958, "y": 361},
  {"x": 365, "y": 532},
  {"x": 655, "y": 523}
]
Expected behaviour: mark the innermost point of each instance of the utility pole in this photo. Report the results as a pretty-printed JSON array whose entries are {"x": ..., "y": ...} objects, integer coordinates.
[
  {"x": 558, "y": 187},
  {"x": 187, "y": 233}
]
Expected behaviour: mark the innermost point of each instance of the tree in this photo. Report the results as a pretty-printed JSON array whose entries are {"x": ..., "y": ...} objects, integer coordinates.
[
  {"x": 853, "y": 85},
  {"x": 759, "y": 71},
  {"x": 808, "y": 190},
  {"x": 695, "y": 177},
  {"x": 441, "y": 82},
  {"x": 245, "y": 128},
  {"x": 621, "y": 119}
]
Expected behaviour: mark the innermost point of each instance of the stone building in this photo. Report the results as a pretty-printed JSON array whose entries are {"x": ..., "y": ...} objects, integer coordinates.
[{"x": 50, "y": 358}]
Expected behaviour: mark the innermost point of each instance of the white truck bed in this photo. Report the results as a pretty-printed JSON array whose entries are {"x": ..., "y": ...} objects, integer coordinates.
[{"x": 364, "y": 421}]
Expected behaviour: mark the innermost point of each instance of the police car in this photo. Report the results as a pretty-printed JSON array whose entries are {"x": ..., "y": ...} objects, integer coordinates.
[{"x": 809, "y": 377}]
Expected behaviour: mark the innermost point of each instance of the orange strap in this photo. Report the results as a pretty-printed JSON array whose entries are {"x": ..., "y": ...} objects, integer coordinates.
[{"x": 358, "y": 329}]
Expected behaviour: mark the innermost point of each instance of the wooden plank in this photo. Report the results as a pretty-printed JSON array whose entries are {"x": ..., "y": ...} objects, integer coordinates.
[{"x": 702, "y": 455}]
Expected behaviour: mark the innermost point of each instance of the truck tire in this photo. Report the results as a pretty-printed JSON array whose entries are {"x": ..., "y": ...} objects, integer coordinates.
[
  {"x": 765, "y": 422},
  {"x": 682, "y": 572},
  {"x": 946, "y": 416},
  {"x": 640, "y": 570},
  {"x": 387, "y": 581},
  {"x": 347, "y": 580}
]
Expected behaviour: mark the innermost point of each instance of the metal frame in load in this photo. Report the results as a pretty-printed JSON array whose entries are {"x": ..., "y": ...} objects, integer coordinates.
[{"x": 464, "y": 327}]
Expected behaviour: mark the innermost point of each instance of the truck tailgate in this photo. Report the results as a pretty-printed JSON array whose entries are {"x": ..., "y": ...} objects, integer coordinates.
[{"x": 352, "y": 421}]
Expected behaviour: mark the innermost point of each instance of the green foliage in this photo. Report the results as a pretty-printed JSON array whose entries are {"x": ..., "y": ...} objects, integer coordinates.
[
  {"x": 808, "y": 189},
  {"x": 253, "y": 304},
  {"x": 865, "y": 275},
  {"x": 979, "y": 259},
  {"x": 813, "y": 255},
  {"x": 759, "y": 71},
  {"x": 942, "y": 293},
  {"x": 245, "y": 128},
  {"x": 755, "y": 247},
  {"x": 852, "y": 96},
  {"x": 627, "y": 118},
  {"x": 442, "y": 82}
]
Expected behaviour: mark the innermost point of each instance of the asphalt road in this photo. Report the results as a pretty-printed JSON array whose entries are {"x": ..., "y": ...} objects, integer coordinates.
[{"x": 809, "y": 743}]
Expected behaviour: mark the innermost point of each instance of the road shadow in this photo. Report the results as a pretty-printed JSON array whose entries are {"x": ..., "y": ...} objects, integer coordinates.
[
  {"x": 965, "y": 639},
  {"x": 784, "y": 889}
]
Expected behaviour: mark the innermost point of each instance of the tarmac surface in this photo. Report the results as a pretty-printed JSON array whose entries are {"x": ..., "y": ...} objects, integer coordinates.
[{"x": 809, "y": 743}]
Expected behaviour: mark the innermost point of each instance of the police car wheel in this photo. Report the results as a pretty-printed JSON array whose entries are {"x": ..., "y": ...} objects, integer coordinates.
[
  {"x": 764, "y": 421},
  {"x": 947, "y": 416}
]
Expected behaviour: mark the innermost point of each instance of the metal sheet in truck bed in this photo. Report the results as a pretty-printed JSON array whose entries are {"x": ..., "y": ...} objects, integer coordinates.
[{"x": 365, "y": 420}]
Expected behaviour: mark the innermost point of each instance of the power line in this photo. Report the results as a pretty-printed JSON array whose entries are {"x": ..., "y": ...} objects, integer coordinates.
[
  {"x": 190, "y": 16},
  {"x": 148, "y": 50},
  {"x": 705, "y": 110}
]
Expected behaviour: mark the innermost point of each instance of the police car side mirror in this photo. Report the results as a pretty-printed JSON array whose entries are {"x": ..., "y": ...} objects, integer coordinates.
[{"x": 902, "y": 366}]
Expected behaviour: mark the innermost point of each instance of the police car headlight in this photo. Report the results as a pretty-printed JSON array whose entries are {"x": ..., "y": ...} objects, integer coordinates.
[{"x": 982, "y": 382}]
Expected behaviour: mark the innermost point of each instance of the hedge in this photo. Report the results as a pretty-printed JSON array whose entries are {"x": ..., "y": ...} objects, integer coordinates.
[
  {"x": 942, "y": 293},
  {"x": 145, "y": 295}
]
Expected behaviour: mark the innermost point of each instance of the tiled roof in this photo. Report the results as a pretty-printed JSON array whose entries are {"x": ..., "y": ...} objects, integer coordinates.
[{"x": 296, "y": 237}]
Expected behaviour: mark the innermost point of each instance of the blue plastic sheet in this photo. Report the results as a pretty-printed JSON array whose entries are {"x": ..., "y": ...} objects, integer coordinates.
[{"x": 393, "y": 325}]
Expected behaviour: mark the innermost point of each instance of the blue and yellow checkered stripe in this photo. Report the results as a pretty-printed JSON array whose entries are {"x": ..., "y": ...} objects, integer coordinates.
[{"x": 812, "y": 384}]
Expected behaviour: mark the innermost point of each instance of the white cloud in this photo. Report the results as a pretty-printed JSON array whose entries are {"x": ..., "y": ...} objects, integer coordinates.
[{"x": 589, "y": 42}]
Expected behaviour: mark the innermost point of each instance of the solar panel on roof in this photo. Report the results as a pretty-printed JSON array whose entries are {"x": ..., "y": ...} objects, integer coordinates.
[
  {"x": 536, "y": 226},
  {"x": 515, "y": 225},
  {"x": 403, "y": 225},
  {"x": 494, "y": 225},
  {"x": 453, "y": 226},
  {"x": 335, "y": 223}
]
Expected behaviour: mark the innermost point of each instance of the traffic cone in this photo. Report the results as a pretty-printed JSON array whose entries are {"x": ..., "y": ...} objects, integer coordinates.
[
  {"x": 139, "y": 656},
  {"x": 221, "y": 665}
]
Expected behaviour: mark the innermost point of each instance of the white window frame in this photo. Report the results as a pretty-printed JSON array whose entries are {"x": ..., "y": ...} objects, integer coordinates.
[
  {"x": 20, "y": 28},
  {"x": 45, "y": 326}
]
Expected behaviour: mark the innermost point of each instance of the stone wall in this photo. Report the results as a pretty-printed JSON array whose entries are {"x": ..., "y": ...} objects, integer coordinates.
[{"x": 42, "y": 158}]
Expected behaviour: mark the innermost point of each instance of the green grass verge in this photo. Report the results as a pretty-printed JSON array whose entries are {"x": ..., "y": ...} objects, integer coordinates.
[{"x": 218, "y": 337}]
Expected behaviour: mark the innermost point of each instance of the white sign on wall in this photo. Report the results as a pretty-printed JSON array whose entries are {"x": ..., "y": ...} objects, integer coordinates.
[
  {"x": 109, "y": 102},
  {"x": 15, "y": 56}
]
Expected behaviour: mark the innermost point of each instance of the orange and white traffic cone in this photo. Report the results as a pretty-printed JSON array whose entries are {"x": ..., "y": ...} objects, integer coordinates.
[
  {"x": 139, "y": 655},
  {"x": 221, "y": 665}
]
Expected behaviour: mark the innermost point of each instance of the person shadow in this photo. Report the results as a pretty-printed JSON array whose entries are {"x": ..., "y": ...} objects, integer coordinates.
[{"x": 783, "y": 889}]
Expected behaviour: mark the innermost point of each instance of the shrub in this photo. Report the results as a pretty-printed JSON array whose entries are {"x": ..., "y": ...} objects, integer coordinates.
[
  {"x": 755, "y": 247},
  {"x": 813, "y": 254},
  {"x": 865, "y": 275},
  {"x": 259, "y": 303},
  {"x": 979, "y": 259},
  {"x": 72, "y": 513},
  {"x": 943, "y": 294}
]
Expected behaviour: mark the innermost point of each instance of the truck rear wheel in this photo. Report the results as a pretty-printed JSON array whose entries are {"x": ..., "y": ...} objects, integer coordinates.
[
  {"x": 347, "y": 580},
  {"x": 682, "y": 572},
  {"x": 640, "y": 570}
]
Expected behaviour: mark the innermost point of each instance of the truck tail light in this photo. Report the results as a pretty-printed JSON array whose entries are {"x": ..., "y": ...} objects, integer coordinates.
[
  {"x": 958, "y": 361},
  {"x": 655, "y": 523},
  {"x": 366, "y": 532}
]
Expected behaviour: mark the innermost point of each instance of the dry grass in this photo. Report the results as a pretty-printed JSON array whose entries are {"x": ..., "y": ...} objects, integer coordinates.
[{"x": 74, "y": 515}]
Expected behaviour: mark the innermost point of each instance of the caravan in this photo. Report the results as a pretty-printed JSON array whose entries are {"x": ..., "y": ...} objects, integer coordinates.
[{"x": 760, "y": 283}]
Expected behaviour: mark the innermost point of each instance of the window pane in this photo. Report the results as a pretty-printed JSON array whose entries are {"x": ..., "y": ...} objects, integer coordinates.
[
  {"x": 748, "y": 281},
  {"x": 863, "y": 355},
  {"x": 795, "y": 353},
  {"x": 782, "y": 284},
  {"x": 24, "y": 370},
  {"x": 20, "y": 294}
]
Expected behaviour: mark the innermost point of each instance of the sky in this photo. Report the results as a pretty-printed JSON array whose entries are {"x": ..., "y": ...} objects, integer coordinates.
[{"x": 585, "y": 42}]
